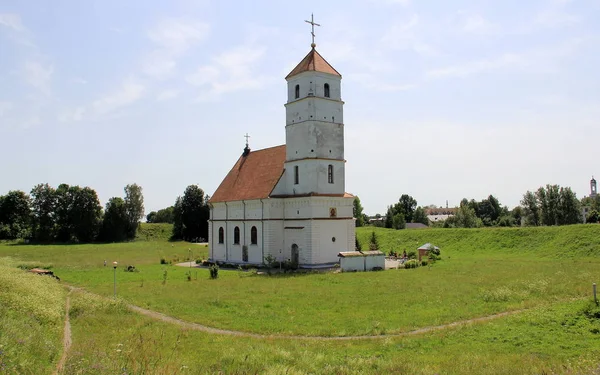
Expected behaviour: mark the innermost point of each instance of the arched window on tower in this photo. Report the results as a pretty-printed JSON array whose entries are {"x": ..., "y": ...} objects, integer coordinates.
[
  {"x": 296, "y": 175},
  {"x": 221, "y": 235},
  {"x": 326, "y": 89},
  {"x": 330, "y": 174},
  {"x": 297, "y": 94},
  {"x": 236, "y": 236},
  {"x": 253, "y": 236}
]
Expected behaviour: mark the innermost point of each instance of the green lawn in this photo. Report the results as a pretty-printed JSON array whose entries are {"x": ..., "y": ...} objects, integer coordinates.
[{"x": 549, "y": 271}]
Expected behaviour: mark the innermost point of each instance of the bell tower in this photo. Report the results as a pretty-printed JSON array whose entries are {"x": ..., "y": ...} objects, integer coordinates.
[
  {"x": 314, "y": 128},
  {"x": 593, "y": 190}
]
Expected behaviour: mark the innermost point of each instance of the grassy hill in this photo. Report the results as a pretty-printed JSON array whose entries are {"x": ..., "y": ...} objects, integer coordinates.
[
  {"x": 154, "y": 232},
  {"x": 564, "y": 241}
]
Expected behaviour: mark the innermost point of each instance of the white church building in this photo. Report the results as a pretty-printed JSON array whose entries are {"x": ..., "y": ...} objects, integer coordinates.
[{"x": 289, "y": 201}]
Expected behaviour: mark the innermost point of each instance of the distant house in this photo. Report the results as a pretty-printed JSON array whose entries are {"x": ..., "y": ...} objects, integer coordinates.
[{"x": 440, "y": 214}]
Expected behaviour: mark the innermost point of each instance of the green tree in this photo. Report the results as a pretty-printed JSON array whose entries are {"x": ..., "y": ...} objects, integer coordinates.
[
  {"x": 177, "y": 220},
  {"x": 420, "y": 216},
  {"x": 357, "y": 245},
  {"x": 406, "y": 206},
  {"x": 164, "y": 215},
  {"x": 358, "y": 213},
  {"x": 150, "y": 217},
  {"x": 85, "y": 214},
  {"x": 398, "y": 221},
  {"x": 15, "y": 215},
  {"x": 43, "y": 205},
  {"x": 531, "y": 210},
  {"x": 115, "y": 222},
  {"x": 134, "y": 205},
  {"x": 389, "y": 217},
  {"x": 373, "y": 242},
  {"x": 191, "y": 214},
  {"x": 593, "y": 217},
  {"x": 569, "y": 207},
  {"x": 465, "y": 218}
]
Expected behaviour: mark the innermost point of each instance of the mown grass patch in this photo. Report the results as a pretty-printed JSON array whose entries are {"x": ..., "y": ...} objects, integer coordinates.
[
  {"x": 109, "y": 339},
  {"x": 346, "y": 303},
  {"x": 31, "y": 320}
]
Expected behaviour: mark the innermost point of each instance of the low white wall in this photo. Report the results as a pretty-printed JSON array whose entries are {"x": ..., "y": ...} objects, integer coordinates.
[
  {"x": 352, "y": 264},
  {"x": 375, "y": 261}
]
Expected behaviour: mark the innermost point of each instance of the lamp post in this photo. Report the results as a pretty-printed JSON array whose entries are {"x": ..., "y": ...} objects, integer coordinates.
[{"x": 115, "y": 279}]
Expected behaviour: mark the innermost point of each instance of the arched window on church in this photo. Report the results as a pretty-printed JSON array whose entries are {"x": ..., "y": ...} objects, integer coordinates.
[
  {"x": 297, "y": 95},
  {"x": 326, "y": 89},
  {"x": 236, "y": 236},
  {"x": 330, "y": 174},
  {"x": 253, "y": 236},
  {"x": 221, "y": 235},
  {"x": 296, "y": 175}
]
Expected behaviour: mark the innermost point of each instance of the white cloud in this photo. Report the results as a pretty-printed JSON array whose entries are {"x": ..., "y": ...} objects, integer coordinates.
[
  {"x": 404, "y": 36},
  {"x": 38, "y": 75},
  {"x": 127, "y": 94},
  {"x": 79, "y": 80},
  {"x": 173, "y": 38},
  {"x": 232, "y": 70},
  {"x": 472, "y": 22},
  {"x": 167, "y": 94},
  {"x": 12, "y": 21}
]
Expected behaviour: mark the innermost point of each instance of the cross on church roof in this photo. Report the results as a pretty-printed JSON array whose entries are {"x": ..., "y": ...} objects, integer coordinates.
[
  {"x": 312, "y": 32},
  {"x": 246, "y": 136}
]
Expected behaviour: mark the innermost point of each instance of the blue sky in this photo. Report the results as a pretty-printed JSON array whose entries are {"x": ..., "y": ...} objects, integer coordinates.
[{"x": 444, "y": 100}]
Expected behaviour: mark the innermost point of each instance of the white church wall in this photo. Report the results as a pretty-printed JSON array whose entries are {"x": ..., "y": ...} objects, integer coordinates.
[
  {"x": 297, "y": 232},
  {"x": 314, "y": 109},
  {"x": 329, "y": 238},
  {"x": 320, "y": 206},
  {"x": 315, "y": 139},
  {"x": 313, "y": 177},
  {"x": 315, "y": 82},
  {"x": 274, "y": 238}
]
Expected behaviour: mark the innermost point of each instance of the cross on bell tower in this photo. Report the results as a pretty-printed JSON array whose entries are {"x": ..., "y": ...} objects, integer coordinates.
[{"x": 312, "y": 30}]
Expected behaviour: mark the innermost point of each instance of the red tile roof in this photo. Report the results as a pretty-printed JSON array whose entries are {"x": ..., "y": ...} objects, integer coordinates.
[
  {"x": 313, "y": 62},
  {"x": 253, "y": 176}
]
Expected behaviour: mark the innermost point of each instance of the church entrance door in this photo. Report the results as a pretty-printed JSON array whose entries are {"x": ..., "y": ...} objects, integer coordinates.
[{"x": 295, "y": 256}]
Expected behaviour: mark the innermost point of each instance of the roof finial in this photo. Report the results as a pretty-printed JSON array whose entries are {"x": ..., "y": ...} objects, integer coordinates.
[
  {"x": 247, "y": 148},
  {"x": 312, "y": 31}
]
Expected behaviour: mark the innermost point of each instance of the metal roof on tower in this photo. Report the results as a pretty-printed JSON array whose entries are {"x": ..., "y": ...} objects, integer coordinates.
[{"x": 313, "y": 62}]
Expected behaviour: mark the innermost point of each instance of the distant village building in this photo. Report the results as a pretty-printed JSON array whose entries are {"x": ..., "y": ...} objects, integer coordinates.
[
  {"x": 439, "y": 214},
  {"x": 585, "y": 210},
  {"x": 289, "y": 201}
]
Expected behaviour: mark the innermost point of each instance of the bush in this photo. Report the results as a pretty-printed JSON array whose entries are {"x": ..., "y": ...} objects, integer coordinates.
[
  {"x": 411, "y": 264},
  {"x": 163, "y": 260},
  {"x": 411, "y": 254},
  {"x": 130, "y": 269},
  {"x": 424, "y": 262},
  {"x": 214, "y": 271}
]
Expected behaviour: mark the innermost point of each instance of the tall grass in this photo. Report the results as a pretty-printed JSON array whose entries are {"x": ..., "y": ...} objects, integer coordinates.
[{"x": 31, "y": 316}]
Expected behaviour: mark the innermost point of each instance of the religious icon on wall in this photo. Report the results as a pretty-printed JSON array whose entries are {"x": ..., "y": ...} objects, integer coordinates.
[{"x": 333, "y": 212}]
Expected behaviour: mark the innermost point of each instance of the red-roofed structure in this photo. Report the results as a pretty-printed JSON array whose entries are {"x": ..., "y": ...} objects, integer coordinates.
[{"x": 289, "y": 201}]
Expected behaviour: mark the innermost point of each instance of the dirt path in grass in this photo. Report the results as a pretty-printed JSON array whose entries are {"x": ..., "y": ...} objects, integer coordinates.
[
  {"x": 199, "y": 327},
  {"x": 66, "y": 337}
]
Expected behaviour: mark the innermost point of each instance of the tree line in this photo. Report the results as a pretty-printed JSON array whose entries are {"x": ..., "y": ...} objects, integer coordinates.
[
  {"x": 548, "y": 205},
  {"x": 70, "y": 214}
]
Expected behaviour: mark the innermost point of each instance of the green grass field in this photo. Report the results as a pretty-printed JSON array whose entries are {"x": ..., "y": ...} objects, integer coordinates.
[{"x": 548, "y": 271}]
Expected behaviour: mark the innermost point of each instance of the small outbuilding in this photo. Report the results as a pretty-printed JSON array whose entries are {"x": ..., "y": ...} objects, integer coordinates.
[
  {"x": 362, "y": 260},
  {"x": 423, "y": 250}
]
